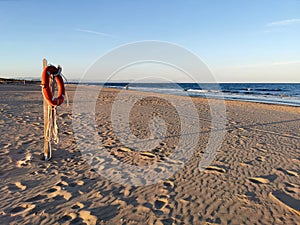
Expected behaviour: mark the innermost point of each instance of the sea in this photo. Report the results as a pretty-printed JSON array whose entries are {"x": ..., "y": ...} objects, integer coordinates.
[{"x": 269, "y": 93}]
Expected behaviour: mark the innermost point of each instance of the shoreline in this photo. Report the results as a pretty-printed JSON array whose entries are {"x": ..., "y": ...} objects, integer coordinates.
[
  {"x": 200, "y": 97},
  {"x": 291, "y": 108},
  {"x": 4, "y": 81},
  {"x": 73, "y": 87}
]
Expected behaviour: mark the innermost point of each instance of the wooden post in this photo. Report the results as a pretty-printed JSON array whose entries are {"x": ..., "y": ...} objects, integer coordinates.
[{"x": 46, "y": 144}]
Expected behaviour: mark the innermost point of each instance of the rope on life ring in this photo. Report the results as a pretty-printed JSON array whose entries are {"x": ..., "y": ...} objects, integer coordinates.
[{"x": 46, "y": 88}]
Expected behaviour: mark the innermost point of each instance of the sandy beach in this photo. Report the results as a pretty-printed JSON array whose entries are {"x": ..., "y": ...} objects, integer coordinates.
[{"x": 254, "y": 178}]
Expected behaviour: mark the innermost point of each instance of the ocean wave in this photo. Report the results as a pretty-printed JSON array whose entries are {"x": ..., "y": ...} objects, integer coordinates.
[{"x": 203, "y": 91}]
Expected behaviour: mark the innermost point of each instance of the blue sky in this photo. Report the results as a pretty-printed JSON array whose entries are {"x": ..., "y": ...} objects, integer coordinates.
[{"x": 241, "y": 41}]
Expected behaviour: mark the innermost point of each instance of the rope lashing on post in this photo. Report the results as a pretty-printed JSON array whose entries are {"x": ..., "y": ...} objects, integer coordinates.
[{"x": 52, "y": 128}]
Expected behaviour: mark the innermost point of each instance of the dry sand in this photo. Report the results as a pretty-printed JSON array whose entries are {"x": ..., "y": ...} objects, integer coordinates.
[{"x": 254, "y": 178}]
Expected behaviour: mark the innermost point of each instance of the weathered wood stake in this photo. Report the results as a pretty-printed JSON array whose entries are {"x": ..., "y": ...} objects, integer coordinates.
[{"x": 47, "y": 143}]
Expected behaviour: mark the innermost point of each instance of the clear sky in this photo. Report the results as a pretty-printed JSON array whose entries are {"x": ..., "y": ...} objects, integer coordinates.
[{"x": 240, "y": 40}]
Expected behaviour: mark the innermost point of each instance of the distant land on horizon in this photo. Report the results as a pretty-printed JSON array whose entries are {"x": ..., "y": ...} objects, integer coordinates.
[{"x": 18, "y": 81}]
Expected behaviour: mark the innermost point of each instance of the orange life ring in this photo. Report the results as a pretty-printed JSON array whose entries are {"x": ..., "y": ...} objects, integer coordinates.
[{"x": 60, "y": 86}]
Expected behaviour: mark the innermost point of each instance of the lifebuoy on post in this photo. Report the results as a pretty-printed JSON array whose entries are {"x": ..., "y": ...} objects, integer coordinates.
[{"x": 46, "y": 88}]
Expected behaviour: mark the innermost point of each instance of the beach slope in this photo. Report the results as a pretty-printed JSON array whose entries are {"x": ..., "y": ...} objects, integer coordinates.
[{"x": 253, "y": 179}]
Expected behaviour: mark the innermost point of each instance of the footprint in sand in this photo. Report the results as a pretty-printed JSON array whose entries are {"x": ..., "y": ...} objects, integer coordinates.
[
  {"x": 124, "y": 149},
  {"x": 296, "y": 160},
  {"x": 147, "y": 155},
  {"x": 160, "y": 203},
  {"x": 121, "y": 152},
  {"x": 293, "y": 188},
  {"x": 87, "y": 217},
  {"x": 292, "y": 173},
  {"x": 261, "y": 150},
  {"x": 168, "y": 184},
  {"x": 20, "y": 185},
  {"x": 15, "y": 187},
  {"x": 59, "y": 192},
  {"x": 68, "y": 132},
  {"x": 24, "y": 162},
  {"x": 289, "y": 172},
  {"x": 246, "y": 163},
  {"x": 259, "y": 180},
  {"x": 78, "y": 205},
  {"x": 263, "y": 179},
  {"x": 80, "y": 182},
  {"x": 67, "y": 218},
  {"x": 261, "y": 158},
  {"x": 7, "y": 146},
  {"x": 286, "y": 200},
  {"x": 126, "y": 191},
  {"x": 21, "y": 209},
  {"x": 36, "y": 198},
  {"x": 62, "y": 183},
  {"x": 160, "y": 206},
  {"x": 215, "y": 169}
]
